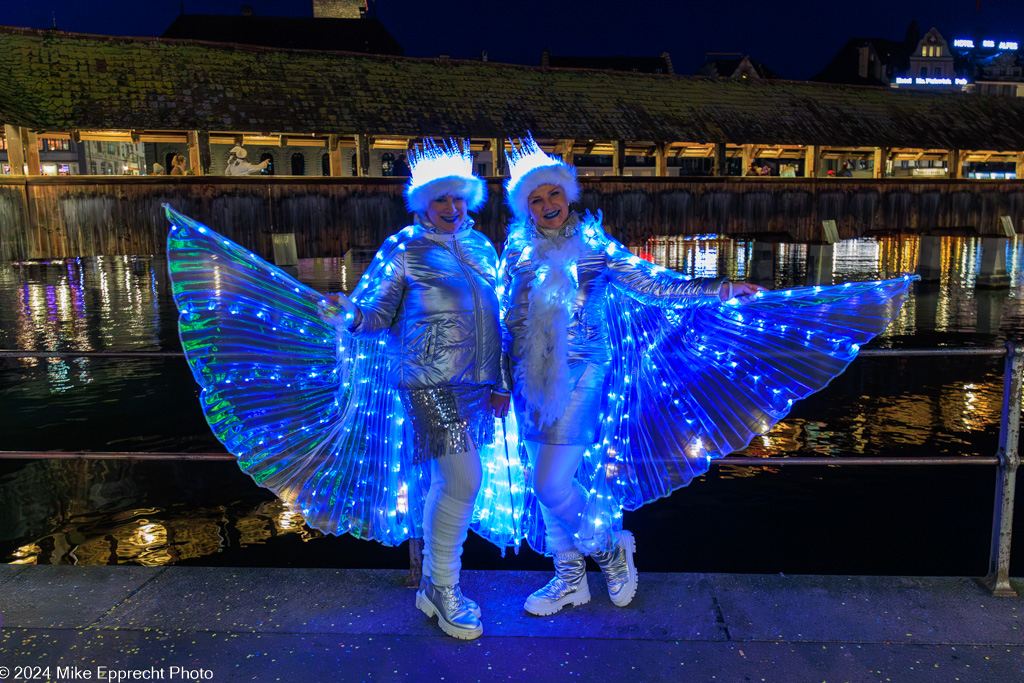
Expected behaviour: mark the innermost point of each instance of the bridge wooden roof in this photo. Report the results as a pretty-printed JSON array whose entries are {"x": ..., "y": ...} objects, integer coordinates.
[{"x": 53, "y": 80}]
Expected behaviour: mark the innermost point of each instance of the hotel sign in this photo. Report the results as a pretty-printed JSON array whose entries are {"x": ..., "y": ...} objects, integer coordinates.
[
  {"x": 900, "y": 80},
  {"x": 1003, "y": 44}
]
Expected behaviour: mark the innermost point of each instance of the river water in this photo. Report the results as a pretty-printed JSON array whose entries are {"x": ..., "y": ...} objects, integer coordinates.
[{"x": 855, "y": 520}]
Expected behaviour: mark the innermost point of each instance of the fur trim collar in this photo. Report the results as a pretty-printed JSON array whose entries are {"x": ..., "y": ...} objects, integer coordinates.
[{"x": 543, "y": 371}]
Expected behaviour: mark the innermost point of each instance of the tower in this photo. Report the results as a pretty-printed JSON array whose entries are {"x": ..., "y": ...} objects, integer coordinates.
[{"x": 339, "y": 9}]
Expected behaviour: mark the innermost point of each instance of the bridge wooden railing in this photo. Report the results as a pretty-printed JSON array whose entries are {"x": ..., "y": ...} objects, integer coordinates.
[{"x": 54, "y": 217}]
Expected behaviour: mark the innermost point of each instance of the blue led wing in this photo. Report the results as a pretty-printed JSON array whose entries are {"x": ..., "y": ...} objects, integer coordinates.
[
  {"x": 501, "y": 503},
  {"x": 688, "y": 385},
  {"x": 307, "y": 411}
]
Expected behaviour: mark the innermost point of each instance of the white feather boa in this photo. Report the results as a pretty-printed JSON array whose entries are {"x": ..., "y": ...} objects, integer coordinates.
[{"x": 543, "y": 371}]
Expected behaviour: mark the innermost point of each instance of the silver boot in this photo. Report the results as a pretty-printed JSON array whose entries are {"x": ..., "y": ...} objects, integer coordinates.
[
  {"x": 472, "y": 605},
  {"x": 453, "y": 616},
  {"x": 569, "y": 587},
  {"x": 618, "y": 569}
]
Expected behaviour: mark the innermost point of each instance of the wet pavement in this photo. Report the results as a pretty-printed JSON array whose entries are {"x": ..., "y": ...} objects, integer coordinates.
[{"x": 265, "y": 624}]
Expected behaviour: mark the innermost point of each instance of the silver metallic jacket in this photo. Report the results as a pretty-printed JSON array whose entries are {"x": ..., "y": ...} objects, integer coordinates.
[
  {"x": 604, "y": 264},
  {"x": 434, "y": 291}
]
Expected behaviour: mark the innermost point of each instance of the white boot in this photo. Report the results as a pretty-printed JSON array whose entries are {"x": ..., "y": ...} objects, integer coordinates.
[
  {"x": 473, "y": 606},
  {"x": 453, "y": 616},
  {"x": 569, "y": 587},
  {"x": 619, "y": 570}
]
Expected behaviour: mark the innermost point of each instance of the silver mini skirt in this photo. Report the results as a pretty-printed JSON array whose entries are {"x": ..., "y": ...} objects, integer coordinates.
[
  {"x": 578, "y": 424},
  {"x": 446, "y": 417}
]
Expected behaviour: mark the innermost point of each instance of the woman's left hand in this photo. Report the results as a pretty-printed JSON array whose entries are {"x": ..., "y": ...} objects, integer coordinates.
[{"x": 500, "y": 404}]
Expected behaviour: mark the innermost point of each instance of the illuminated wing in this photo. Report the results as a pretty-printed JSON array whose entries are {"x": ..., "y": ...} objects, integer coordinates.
[
  {"x": 500, "y": 506},
  {"x": 308, "y": 412},
  {"x": 690, "y": 385}
]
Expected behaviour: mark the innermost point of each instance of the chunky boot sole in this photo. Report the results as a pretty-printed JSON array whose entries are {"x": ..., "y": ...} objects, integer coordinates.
[
  {"x": 626, "y": 597},
  {"x": 427, "y": 607},
  {"x": 541, "y": 608}
]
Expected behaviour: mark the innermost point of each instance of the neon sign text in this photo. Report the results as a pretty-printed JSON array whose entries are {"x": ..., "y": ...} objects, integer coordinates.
[
  {"x": 901, "y": 80},
  {"x": 1002, "y": 44}
]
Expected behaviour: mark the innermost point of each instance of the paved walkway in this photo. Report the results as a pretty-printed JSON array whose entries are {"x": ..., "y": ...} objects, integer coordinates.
[{"x": 198, "y": 623}]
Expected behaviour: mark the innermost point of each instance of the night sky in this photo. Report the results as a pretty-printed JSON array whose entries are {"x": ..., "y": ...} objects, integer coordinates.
[{"x": 796, "y": 38}]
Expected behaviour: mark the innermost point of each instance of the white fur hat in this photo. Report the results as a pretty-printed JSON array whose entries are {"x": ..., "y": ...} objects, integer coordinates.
[
  {"x": 529, "y": 168},
  {"x": 443, "y": 170},
  {"x": 239, "y": 152}
]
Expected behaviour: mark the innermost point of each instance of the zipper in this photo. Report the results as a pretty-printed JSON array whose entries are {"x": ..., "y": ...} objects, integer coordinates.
[{"x": 476, "y": 308}]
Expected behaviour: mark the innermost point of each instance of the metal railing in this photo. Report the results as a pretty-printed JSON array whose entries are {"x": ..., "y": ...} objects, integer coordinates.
[{"x": 1006, "y": 458}]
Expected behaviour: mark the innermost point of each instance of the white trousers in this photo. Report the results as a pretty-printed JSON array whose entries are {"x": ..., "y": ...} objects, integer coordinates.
[
  {"x": 454, "y": 484},
  {"x": 561, "y": 498}
]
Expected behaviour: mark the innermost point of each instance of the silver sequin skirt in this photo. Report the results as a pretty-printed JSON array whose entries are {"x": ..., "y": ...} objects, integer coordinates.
[
  {"x": 578, "y": 424},
  {"x": 445, "y": 418}
]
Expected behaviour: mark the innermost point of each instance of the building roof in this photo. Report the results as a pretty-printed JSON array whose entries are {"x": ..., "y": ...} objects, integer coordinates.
[
  {"x": 844, "y": 67},
  {"x": 645, "y": 65},
  {"x": 365, "y": 35},
  {"x": 60, "y": 81},
  {"x": 736, "y": 67}
]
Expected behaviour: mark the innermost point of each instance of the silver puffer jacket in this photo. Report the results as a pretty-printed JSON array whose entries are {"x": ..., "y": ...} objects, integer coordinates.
[
  {"x": 604, "y": 263},
  {"x": 434, "y": 292}
]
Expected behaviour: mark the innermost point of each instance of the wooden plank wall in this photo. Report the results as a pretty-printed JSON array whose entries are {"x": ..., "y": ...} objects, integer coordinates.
[{"x": 44, "y": 217}]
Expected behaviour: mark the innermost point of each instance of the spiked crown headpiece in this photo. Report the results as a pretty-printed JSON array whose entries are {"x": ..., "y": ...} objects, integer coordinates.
[
  {"x": 440, "y": 170},
  {"x": 529, "y": 168}
]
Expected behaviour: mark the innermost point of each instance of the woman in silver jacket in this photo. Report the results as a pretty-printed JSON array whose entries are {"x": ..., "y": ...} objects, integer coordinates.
[
  {"x": 556, "y": 270},
  {"x": 434, "y": 293}
]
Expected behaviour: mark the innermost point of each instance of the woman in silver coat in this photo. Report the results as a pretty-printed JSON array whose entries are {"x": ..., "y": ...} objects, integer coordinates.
[
  {"x": 434, "y": 293},
  {"x": 556, "y": 271}
]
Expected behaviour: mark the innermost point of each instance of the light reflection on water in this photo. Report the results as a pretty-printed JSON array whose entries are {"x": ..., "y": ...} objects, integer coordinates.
[{"x": 51, "y": 512}]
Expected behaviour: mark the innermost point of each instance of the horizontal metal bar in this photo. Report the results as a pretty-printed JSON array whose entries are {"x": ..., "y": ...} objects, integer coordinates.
[
  {"x": 992, "y": 351},
  {"x": 91, "y": 354},
  {"x": 734, "y": 460},
  {"x": 116, "y": 455},
  {"x": 980, "y": 351},
  {"x": 799, "y": 460}
]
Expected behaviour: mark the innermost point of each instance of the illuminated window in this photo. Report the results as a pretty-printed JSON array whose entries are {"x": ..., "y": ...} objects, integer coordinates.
[
  {"x": 54, "y": 144},
  {"x": 269, "y": 170}
]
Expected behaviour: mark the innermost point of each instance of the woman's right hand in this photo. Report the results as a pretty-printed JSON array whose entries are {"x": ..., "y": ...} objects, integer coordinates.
[
  {"x": 341, "y": 301},
  {"x": 737, "y": 290},
  {"x": 500, "y": 403}
]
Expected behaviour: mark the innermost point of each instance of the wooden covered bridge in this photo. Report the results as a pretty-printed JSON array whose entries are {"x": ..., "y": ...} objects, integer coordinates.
[{"x": 203, "y": 95}]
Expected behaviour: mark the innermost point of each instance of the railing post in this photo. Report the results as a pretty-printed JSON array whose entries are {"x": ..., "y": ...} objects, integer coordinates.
[
  {"x": 412, "y": 579},
  {"x": 998, "y": 577}
]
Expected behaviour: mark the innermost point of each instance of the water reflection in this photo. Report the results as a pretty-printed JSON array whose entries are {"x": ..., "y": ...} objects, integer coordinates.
[
  {"x": 105, "y": 512},
  {"x": 97, "y": 512},
  {"x": 153, "y": 537}
]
